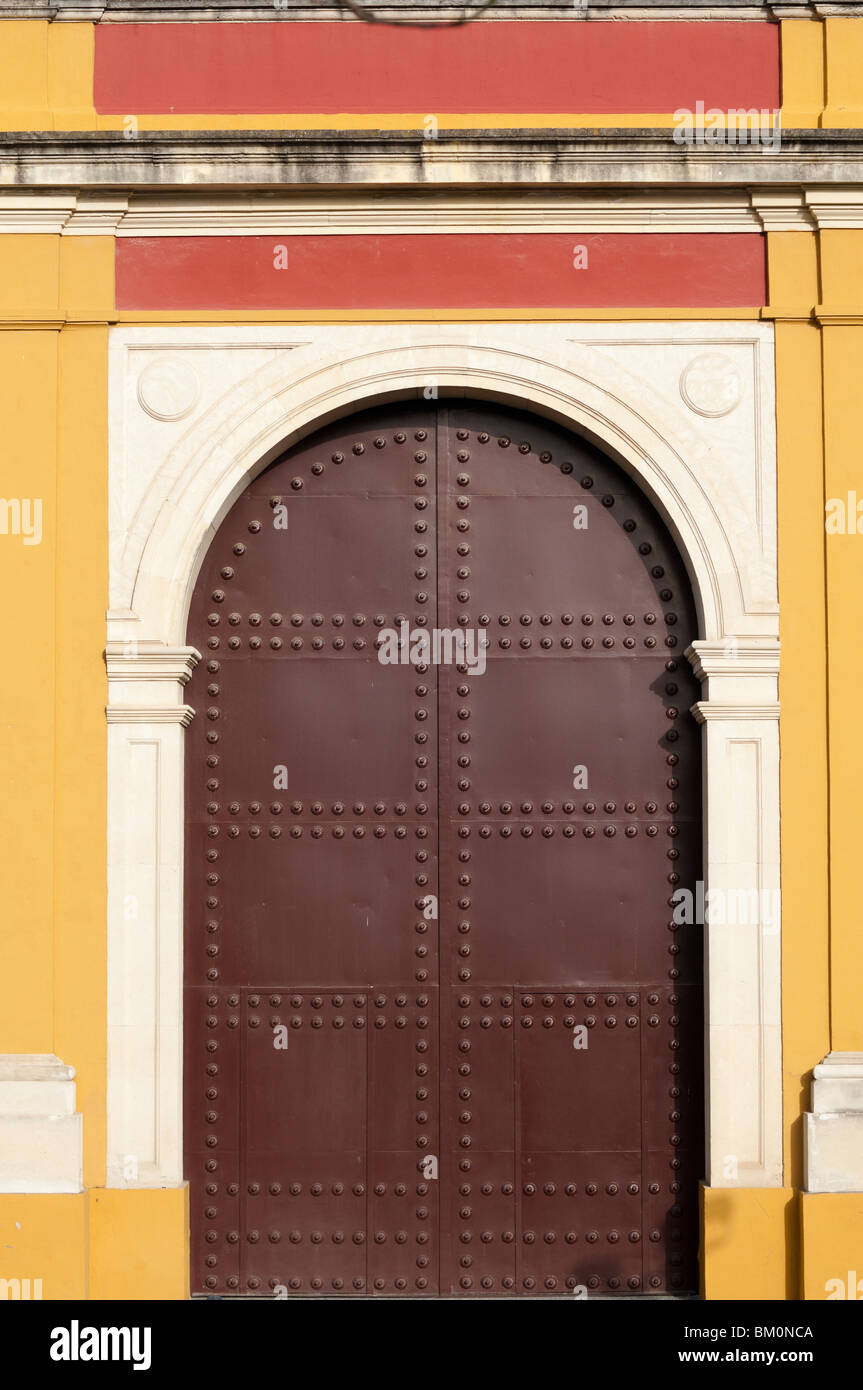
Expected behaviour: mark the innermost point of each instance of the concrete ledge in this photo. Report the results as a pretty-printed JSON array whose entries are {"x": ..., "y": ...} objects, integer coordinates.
[
  {"x": 833, "y": 1129},
  {"x": 41, "y": 1136},
  {"x": 36, "y": 1083},
  {"x": 834, "y": 1152},
  {"x": 527, "y": 158}
]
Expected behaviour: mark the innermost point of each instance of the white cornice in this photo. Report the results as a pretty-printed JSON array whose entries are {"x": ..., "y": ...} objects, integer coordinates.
[
  {"x": 33, "y": 1066},
  {"x": 837, "y": 208},
  {"x": 706, "y": 710},
  {"x": 35, "y": 212},
  {"x": 736, "y": 656},
  {"x": 67, "y": 214},
  {"x": 782, "y": 210},
  {"x": 150, "y": 714},
  {"x": 335, "y": 216},
  {"x": 681, "y": 210},
  {"x": 149, "y": 661},
  {"x": 95, "y": 216}
]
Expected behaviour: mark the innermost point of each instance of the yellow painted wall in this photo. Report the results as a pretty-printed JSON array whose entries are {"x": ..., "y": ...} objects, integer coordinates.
[
  {"x": 843, "y": 51},
  {"x": 793, "y": 284},
  {"x": 56, "y": 305},
  {"x": 28, "y": 359},
  {"x": 100, "y": 1244},
  {"x": 831, "y": 1226},
  {"x": 842, "y": 358},
  {"x": 139, "y": 1244},
  {"x": 53, "y": 597},
  {"x": 749, "y": 1243},
  {"x": 802, "y": 49},
  {"x": 46, "y": 1237}
]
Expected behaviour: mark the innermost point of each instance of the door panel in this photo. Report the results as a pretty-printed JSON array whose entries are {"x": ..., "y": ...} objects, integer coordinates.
[{"x": 439, "y": 1036}]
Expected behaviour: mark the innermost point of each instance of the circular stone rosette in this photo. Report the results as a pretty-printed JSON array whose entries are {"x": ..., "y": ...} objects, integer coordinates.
[
  {"x": 711, "y": 384},
  {"x": 168, "y": 389}
]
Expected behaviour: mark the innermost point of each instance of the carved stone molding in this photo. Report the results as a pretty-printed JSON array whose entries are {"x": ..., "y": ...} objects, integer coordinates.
[
  {"x": 150, "y": 714},
  {"x": 149, "y": 661},
  {"x": 740, "y": 719}
]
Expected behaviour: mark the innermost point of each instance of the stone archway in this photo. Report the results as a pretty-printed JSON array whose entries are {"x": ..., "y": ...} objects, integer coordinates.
[{"x": 155, "y": 562}]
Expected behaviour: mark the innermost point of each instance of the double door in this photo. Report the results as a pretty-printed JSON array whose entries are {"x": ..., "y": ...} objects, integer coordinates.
[{"x": 443, "y": 1033}]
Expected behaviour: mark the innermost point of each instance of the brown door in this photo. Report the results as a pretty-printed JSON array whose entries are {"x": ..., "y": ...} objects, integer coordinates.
[{"x": 443, "y": 1034}]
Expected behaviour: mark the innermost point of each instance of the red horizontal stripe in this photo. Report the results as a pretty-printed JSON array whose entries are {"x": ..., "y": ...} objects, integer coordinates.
[
  {"x": 457, "y": 271},
  {"x": 500, "y": 66}
]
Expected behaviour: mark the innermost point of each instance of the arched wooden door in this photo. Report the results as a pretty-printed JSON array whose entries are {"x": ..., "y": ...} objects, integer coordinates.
[{"x": 442, "y": 1032}]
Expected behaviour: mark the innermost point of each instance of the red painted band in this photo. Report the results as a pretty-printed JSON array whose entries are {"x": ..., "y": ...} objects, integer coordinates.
[
  {"x": 455, "y": 271},
  {"x": 504, "y": 66}
]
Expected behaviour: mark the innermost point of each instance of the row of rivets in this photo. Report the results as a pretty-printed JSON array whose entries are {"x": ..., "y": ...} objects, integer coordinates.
[
  {"x": 297, "y": 619},
  {"x": 338, "y": 808},
  {"x": 338, "y": 1189},
  {"x": 590, "y": 1022},
  {"x": 297, "y": 1237},
  {"x": 569, "y": 808},
  {"x": 317, "y": 644},
  {"x": 296, "y": 1000},
  {"x": 545, "y": 619},
  {"x": 486, "y": 1282},
  {"x": 588, "y": 831},
  {"x": 587, "y": 643},
  {"x": 463, "y": 762},
  {"x": 316, "y": 832},
  {"x": 212, "y": 902},
  {"x": 486, "y": 1189},
  {"x": 297, "y": 644},
  {"x": 463, "y": 596},
  {"x": 358, "y": 448},
  {"x": 421, "y": 695},
  {"x": 315, "y": 1283},
  {"x": 549, "y": 1000},
  {"x": 317, "y": 808}
]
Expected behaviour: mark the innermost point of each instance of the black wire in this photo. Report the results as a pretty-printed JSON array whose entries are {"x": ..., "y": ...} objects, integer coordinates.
[{"x": 369, "y": 17}]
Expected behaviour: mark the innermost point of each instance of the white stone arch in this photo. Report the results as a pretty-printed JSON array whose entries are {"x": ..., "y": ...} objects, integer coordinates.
[
  {"x": 237, "y": 438},
  {"x": 155, "y": 562}
]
